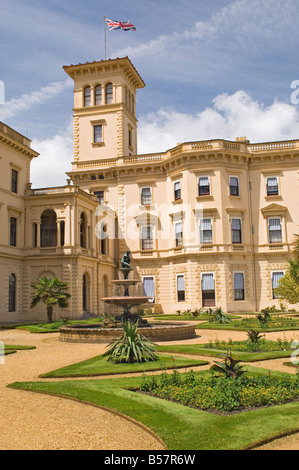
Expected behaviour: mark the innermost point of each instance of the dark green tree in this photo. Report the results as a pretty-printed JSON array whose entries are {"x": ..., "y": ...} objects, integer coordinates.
[{"x": 51, "y": 292}]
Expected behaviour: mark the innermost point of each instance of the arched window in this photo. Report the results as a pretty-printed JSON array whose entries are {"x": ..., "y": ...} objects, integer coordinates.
[
  {"x": 48, "y": 229},
  {"x": 12, "y": 293},
  {"x": 87, "y": 96},
  {"x": 98, "y": 95},
  {"x": 109, "y": 93},
  {"x": 83, "y": 230},
  {"x": 85, "y": 292}
]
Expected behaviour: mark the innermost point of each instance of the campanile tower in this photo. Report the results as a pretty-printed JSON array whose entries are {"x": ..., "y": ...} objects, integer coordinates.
[{"x": 105, "y": 124}]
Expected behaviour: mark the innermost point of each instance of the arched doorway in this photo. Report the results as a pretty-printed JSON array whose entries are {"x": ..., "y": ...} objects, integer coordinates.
[{"x": 48, "y": 229}]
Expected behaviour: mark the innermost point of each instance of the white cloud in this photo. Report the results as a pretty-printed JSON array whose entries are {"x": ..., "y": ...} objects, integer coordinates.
[
  {"x": 230, "y": 116},
  {"x": 56, "y": 155},
  {"x": 29, "y": 100}
]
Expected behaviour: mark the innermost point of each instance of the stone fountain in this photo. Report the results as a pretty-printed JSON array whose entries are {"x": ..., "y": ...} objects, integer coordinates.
[
  {"x": 154, "y": 331},
  {"x": 126, "y": 301}
]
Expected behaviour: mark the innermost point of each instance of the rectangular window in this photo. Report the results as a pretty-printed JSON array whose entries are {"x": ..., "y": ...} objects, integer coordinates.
[
  {"x": 272, "y": 186},
  {"x": 13, "y": 232},
  {"x": 181, "y": 288},
  {"x": 236, "y": 231},
  {"x": 14, "y": 181},
  {"x": 234, "y": 186},
  {"x": 204, "y": 186},
  {"x": 178, "y": 234},
  {"x": 276, "y": 276},
  {"x": 177, "y": 190},
  {"x": 208, "y": 290},
  {"x": 99, "y": 196},
  {"x": 239, "y": 290},
  {"x": 275, "y": 232},
  {"x": 98, "y": 134},
  {"x": 149, "y": 288},
  {"x": 130, "y": 138},
  {"x": 206, "y": 232},
  {"x": 146, "y": 196},
  {"x": 147, "y": 238}
]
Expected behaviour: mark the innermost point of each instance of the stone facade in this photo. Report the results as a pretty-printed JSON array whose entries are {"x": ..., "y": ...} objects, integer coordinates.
[{"x": 208, "y": 223}]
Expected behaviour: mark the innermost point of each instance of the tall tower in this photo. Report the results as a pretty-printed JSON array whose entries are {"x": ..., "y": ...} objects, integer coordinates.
[{"x": 105, "y": 124}]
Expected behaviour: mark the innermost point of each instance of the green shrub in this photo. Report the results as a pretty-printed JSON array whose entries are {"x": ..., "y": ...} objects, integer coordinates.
[{"x": 221, "y": 393}]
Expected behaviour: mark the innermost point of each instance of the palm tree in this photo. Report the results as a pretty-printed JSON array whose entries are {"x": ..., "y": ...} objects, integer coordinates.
[{"x": 51, "y": 292}]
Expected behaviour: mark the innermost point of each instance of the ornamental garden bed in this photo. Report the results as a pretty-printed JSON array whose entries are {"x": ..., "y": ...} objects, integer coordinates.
[
  {"x": 222, "y": 394},
  {"x": 246, "y": 351},
  {"x": 275, "y": 323}
]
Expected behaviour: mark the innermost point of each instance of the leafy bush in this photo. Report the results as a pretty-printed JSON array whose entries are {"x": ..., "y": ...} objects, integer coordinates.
[
  {"x": 219, "y": 317},
  {"x": 221, "y": 393},
  {"x": 131, "y": 347}
]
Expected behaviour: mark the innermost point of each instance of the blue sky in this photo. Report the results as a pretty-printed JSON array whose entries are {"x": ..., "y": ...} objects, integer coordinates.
[{"x": 217, "y": 69}]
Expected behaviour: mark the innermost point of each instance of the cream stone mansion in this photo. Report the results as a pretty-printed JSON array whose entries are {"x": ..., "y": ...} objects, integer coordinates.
[{"x": 208, "y": 223}]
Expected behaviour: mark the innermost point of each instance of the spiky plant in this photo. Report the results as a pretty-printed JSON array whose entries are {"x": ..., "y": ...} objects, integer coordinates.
[
  {"x": 219, "y": 316},
  {"x": 51, "y": 292},
  {"x": 254, "y": 336},
  {"x": 131, "y": 347},
  {"x": 230, "y": 367}
]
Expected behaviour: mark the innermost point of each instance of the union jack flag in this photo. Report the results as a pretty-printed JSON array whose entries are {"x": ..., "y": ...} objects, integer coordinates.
[{"x": 125, "y": 26}]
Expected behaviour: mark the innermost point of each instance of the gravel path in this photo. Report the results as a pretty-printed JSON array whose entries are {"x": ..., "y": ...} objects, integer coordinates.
[{"x": 33, "y": 421}]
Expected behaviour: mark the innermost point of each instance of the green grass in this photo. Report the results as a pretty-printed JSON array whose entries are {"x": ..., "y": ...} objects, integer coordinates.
[
  {"x": 13, "y": 348},
  {"x": 179, "y": 427},
  {"x": 54, "y": 327},
  {"x": 200, "y": 350},
  {"x": 275, "y": 324},
  {"x": 99, "y": 365}
]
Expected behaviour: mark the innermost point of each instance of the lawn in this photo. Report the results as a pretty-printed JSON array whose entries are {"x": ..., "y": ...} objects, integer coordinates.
[
  {"x": 203, "y": 350},
  {"x": 180, "y": 427},
  {"x": 100, "y": 365},
  {"x": 275, "y": 324}
]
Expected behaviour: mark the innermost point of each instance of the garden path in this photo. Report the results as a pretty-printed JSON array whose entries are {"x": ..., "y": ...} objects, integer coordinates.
[{"x": 50, "y": 423}]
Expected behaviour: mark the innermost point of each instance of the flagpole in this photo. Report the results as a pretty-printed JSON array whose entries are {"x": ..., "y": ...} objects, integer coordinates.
[{"x": 105, "y": 44}]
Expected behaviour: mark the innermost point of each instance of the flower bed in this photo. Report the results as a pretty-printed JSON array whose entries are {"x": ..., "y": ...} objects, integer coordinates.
[{"x": 213, "y": 393}]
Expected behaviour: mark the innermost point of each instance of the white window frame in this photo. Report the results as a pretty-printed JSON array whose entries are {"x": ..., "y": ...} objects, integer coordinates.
[
  {"x": 141, "y": 238},
  {"x": 278, "y": 185},
  {"x": 239, "y": 272},
  {"x": 177, "y": 291},
  {"x": 154, "y": 281},
  {"x": 231, "y": 229},
  {"x": 229, "y": 185},
  {"x": 200, "y": 231},
  {"x": 174, "y": 190},
  {"x": 175, "y": 233},
  {"x": 151, "y": 192},
  {"x": 272, "y": 272},
  {"x": 209, "y": 179},
  {"x": 268, "y": 227}
]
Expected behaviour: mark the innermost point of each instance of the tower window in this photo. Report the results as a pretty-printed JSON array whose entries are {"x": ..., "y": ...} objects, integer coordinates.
[
  {"x": 109, "y": 93},
  {"x": 98, "y": 95},
  {"x": 87, "y": 96}
]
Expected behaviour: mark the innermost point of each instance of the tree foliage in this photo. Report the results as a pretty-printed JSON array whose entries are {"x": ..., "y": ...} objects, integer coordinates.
[
  {"x": 51, "y": 292},
  {"x": 288, "y": 286}
]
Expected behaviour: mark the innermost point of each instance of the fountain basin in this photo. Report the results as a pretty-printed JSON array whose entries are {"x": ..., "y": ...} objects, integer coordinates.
[{"x": 156, "y": 332}]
